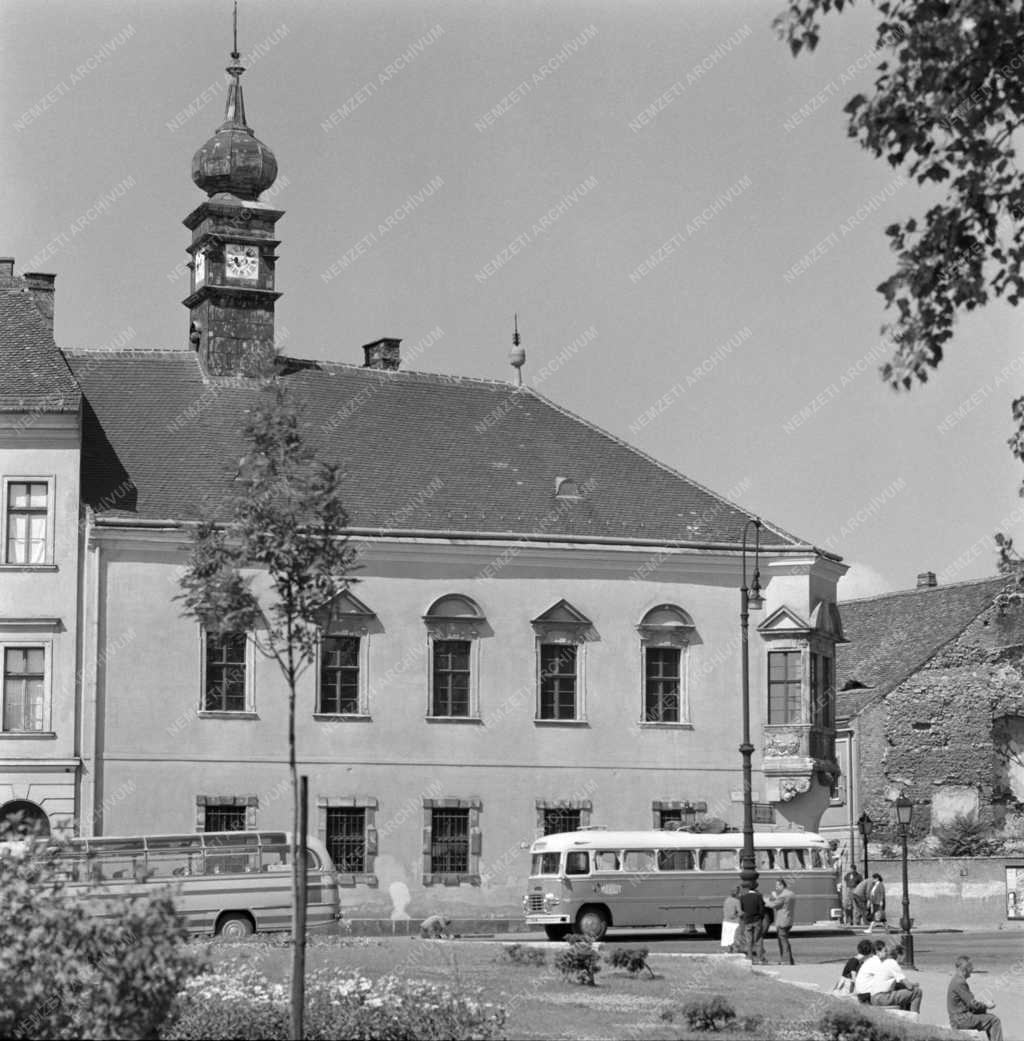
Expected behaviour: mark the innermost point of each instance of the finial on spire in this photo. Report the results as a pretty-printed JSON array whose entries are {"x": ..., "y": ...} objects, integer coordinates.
[
  {"x": 517, "y": 356},
  {"x": 234, "y": 51},
  {"x": 234, "y": 109}
]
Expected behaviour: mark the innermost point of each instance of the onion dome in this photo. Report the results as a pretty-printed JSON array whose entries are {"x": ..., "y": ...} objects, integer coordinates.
[{"x": 234, "y": 160}]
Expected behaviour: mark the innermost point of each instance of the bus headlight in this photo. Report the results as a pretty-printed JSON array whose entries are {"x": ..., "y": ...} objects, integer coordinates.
[
  {"x": 526, "y": 904},
  {"x": 551, "y": 901}
]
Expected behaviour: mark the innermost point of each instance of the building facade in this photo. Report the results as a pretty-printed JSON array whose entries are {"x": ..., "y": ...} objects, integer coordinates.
[{"x": 542, "y": 633}]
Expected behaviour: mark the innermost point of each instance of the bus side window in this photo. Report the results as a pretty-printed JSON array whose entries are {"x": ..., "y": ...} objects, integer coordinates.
[
  {"x": 765, "y": 859},
  {"x": 817, "y": 859},
  {"x": 675, "y": 860},
  {"x": 718, "y": 860},
  {"x": 606, "y": 860},
  {"x": 794, "y": 859},
  {"x": 638, "y": 860},
  {"x": 577, "y": 862}
]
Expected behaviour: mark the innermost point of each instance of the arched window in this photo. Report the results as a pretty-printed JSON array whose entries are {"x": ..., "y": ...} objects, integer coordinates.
[
  {"x": 454, "y": 623},
  {"x": 665, "y": 633},
  {"x": 21, "y": 818}
]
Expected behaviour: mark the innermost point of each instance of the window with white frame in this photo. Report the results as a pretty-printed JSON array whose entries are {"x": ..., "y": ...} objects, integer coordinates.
[
  {"x": 822, "y": 691},
  {"x": 28, "y": 520},
  {"x": 226, "y": 673},
  {"x": 24, "y": 689},
  {"x": 785, "y": 687},
  {"x": 562, "y": 633},
  {"x": 665, "y": 634},
  {"x": 342, "y": 688},
  {"x": 454, "y": 624}
]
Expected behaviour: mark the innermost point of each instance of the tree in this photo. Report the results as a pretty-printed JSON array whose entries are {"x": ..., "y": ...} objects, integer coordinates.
[
  {"x": 947, "y": 101},
  {"x": 284, "y": 519}
]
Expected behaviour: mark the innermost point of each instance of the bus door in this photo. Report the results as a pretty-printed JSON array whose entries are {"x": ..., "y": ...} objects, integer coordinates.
[
  {"x": 674, "y": 887},
  {"x": 641, "y": 898}
]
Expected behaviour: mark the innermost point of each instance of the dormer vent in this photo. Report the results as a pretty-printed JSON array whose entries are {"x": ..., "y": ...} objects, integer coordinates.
[{"x": 566, "y": 488}]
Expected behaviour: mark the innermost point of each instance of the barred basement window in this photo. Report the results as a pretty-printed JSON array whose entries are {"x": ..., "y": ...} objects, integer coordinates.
[
  {"x": 346, "y": 838},
  {"x": 449, "y": 844},
  {"x": 559, "y": 820},
  {"x": 224, "y": 818}
]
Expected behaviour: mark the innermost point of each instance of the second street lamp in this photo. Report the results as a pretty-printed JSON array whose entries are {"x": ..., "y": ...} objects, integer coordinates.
[
  {"x": 749, "y": 598},
  {"x": 904, "y": 814}
]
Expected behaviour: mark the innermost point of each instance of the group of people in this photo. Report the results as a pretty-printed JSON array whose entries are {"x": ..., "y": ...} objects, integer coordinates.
[
  {"x": 747, "y": 915},
  {"x": 863, "y": 899},
  {"x": 877, "y": 978}
]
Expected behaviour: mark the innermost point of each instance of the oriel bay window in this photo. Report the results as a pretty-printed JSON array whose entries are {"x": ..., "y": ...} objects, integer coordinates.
[
  {"x": 562, "y": 633},
  {"x": 454, "y": 625},
  {"x": 784, "y": 687},
  {"x": 822, "y": 691},
  {"x": 665, "y": 634}
]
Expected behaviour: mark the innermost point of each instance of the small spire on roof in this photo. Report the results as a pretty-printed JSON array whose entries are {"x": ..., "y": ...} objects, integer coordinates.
[
  {"x": 517, "y": 356},
  {"x": 234, "y": 110}
]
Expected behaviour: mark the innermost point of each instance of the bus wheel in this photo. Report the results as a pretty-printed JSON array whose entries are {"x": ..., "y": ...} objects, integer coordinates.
[
  {"x": 235, "y": 927},
  {"x": 592, "y": 922},
  {"x": 556, "y": 932},
  {"x": 713, "y": 929}
]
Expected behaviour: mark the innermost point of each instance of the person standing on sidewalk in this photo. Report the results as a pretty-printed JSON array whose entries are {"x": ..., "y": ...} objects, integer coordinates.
[
  {"x": 965, "y": 1011},
  {"x": 851, "y": 880},
  {"x": 752, "y": 923},
  {"x": 731, "y": 921},
  {"x": 876, "y": 904},
  {"x": 783, "y": 903}
]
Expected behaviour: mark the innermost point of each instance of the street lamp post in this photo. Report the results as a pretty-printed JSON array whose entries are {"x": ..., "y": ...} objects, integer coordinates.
[
  {"x": 864, "y": 826},
  {"x": 904, "y": 813},
  {"x": 749, "y": 598}
]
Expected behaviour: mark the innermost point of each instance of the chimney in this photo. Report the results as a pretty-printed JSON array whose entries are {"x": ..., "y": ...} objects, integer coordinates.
[
  {"x": 6, "y": 271},
  {"x": 927, "y": 580},
  {"x": 42, "y": 290},
  {"x": 382, "y": 354}
]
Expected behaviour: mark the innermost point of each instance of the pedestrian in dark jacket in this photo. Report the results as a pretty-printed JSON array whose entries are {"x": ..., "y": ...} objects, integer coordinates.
[
  {"x": 965, "y": 1011},
  {"x": 752, "y": 911}
]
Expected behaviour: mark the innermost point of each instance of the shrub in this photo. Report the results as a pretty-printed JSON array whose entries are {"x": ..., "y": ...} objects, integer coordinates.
[
  {"x": 523, "y": 955},
  {"x": 244, "y": 1005},
  {"x": 579, "y": 962},
  {"x": 850, "y": 1024},
  {"x": 966, "y": 836},
  {"x": 711, "y": 1013},
  {"x": 632, "y": 959},
  {"x": 66, "y": 973}
]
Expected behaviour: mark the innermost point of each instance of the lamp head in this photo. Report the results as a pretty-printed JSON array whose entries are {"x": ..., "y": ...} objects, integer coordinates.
[
  {"x": 904, "y": 810},
  {"x": 755, "y": 601},
  {"x": 865, "y": 824}
]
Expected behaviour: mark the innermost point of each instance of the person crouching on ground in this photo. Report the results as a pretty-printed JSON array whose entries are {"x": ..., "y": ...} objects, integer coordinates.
[
  {"x": 436, "y": 927},
  {"x": 965, "y": 1011},
  {"x": 752, "y": 910},
  {"x": 881, "y": 979}
]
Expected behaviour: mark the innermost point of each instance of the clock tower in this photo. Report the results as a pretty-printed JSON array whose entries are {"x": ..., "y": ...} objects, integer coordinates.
[{"x": 231, "y": 305}]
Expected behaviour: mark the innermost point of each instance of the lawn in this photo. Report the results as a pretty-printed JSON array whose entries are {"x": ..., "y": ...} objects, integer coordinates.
[{"x": 541, "y": 1004}]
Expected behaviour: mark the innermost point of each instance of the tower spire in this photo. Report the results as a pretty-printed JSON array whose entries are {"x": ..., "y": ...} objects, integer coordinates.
[
  {"x": 517, "y": 356},
  {"x": 234, "y": 109}
]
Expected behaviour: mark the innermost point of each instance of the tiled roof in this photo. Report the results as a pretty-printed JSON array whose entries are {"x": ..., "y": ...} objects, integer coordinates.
[
  {"x": 420, "y": 452},
  {"x": 34, "y": 376},
  {"x": 892, "y": 636}
]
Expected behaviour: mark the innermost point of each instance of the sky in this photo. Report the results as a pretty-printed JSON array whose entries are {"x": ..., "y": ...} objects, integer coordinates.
[{"x": 665, "y": 196}]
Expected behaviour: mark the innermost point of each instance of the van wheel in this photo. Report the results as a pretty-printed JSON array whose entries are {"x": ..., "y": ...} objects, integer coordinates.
[
  {"x": 713, "y": 929},
  {"x": 235, "y": 927},
  {"x": 556, "y": 932},
  {"x": 592, "y": 922}
]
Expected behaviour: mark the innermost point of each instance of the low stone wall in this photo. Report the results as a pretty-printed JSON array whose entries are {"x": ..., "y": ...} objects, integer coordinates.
[{"x": 962, "y": 892}]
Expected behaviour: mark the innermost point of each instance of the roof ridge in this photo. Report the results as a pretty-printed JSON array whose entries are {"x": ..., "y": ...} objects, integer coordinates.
[
  {"x": 127, "y": 351},
  {"x": 663, "y": 466},
  {"x": 927, "y": 589},
  {"x": 442, "y": 377}
]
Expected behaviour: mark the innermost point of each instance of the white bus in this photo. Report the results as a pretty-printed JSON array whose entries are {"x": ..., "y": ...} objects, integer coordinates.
[
  {"x": 592, "y": 880},
  {"x": 230, "y": 883}
]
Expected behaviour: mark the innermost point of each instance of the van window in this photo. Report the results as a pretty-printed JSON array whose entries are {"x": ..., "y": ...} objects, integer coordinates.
[
  {"x": 718, "y": 860},
  {"x": 675, "y": 859},
  {"x": 638, "y": 860},
  {"x": 794, "y": 859},
  {"x": 606, "y": 860},
  {"x": 577, "y": 862}
]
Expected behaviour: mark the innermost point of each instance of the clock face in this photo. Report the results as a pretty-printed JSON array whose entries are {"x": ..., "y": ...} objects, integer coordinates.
[
  {"x": 200, "y": 262},
  {"x": 242, "y": 262}
]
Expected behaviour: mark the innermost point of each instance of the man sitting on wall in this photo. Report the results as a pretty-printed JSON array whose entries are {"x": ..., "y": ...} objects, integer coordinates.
[
  {"x": 965, "y": 1011},
  {"x": 881, "y": 980}
]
